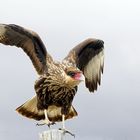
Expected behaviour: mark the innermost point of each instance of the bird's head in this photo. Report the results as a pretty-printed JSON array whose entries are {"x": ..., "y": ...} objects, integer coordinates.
[{"x": 73, "y": 76}]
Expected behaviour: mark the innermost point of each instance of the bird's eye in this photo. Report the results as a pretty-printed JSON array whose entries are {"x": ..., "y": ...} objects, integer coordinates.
[{"x": 71, "y": 73}]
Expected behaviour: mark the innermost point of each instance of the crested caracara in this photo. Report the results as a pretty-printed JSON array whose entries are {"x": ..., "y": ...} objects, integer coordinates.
[{"x": 58, "y": 81}]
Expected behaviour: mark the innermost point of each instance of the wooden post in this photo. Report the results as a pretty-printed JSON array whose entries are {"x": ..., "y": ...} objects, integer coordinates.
[{"x": 52, "y": 134}]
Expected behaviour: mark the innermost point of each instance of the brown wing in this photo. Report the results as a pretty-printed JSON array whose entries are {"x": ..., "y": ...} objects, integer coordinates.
[
  {"x": 88, "y": 56},
  {"x": 29, "y": 41}
]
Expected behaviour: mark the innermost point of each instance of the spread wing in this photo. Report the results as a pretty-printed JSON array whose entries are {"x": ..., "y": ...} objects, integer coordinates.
[
  {"x": 88, "y": 56},
  {"x": 29, "y": 41}
]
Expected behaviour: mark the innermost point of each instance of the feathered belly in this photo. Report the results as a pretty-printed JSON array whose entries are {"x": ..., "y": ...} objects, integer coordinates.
[
  {"x": 48, "y": 95},
  {"x": 57, "y": 102},
  {"x": 60, "y": 97}
]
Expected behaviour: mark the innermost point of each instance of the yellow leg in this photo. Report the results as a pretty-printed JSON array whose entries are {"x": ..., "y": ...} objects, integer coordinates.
[{"x": 63, "y": 122}]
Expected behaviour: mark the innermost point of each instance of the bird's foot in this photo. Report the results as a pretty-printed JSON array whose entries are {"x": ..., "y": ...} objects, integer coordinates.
[
  {"x": 46, "y": 122},
  {"x": 67, "y": 131}
]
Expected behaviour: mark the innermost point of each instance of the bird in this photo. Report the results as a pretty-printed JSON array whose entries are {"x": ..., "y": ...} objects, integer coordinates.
[{"x": 57, "y": 82}]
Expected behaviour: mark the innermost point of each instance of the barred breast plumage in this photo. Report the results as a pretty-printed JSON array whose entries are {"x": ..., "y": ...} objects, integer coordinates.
[{"x": 58, "y": 95}]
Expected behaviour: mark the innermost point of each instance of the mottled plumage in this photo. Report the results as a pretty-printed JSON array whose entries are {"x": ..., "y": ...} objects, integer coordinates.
[{"x": 58, "y": 81}]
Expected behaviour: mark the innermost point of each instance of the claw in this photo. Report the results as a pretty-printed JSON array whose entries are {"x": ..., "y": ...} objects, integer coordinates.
[
  {"x": 66, "y": 131},
  {"x": 46, "y": 123},
  {"x": 51, "y": 123}
]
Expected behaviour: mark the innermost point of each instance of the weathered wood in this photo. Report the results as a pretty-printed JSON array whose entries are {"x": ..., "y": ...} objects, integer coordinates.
[{"x": 52, "y": 134}]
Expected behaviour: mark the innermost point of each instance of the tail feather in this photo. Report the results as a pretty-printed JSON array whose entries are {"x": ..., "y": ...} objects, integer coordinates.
[{"x": 29, "y": 109}]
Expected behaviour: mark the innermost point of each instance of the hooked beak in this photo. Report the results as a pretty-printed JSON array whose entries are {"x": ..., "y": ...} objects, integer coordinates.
[
  {"x": 79, "y": 77},
  {"x": 82, "y": 77}
]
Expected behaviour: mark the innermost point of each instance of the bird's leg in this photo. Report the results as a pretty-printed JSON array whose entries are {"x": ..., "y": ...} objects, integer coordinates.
[
  {"x": 63, "y": 127},
  {"x": 63, "y": 121},
  {"x": 46, "y": 121}
]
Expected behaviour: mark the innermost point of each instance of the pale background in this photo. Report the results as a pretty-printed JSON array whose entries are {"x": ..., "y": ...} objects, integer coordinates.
[{"x": 113, "y": 112}]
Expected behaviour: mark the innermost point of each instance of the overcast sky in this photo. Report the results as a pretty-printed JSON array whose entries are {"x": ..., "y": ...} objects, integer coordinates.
[{"x": 113, "y": 112}]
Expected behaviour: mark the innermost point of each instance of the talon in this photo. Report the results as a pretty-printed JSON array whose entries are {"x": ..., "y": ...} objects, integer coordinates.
[
  {"x": 51, "y": 123},
  {"x": 45, "y": 123},
  {"x": 40, "y": 124},
  {"x": 66, "y": 131}
]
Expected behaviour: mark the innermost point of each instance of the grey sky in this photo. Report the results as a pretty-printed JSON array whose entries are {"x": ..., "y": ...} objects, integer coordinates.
[{"x": 113, "y": 112}]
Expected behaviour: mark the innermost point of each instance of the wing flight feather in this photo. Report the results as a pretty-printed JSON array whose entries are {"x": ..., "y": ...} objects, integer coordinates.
[{"x": 29, "y": 41}]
